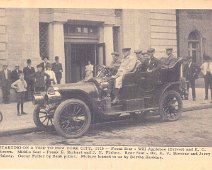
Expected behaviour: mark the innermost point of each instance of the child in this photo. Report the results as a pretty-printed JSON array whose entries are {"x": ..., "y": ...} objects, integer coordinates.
[
  {"x": 51, "y": 78},
  {"x": 40, "y": 77},
  {"x": 20, "y": 86}
]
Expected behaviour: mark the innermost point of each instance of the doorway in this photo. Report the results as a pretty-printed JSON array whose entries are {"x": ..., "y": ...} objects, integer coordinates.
[{"x": 77, "y": 57}]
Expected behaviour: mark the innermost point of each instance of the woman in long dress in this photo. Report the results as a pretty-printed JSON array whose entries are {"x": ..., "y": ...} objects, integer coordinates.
[{"x": 88, "y": 71}]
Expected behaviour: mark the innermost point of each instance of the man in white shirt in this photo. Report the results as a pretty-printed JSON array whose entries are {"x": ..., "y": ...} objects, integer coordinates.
[
  {"x": 206, "y": 69},
  {"x": 127, "y": 65}
]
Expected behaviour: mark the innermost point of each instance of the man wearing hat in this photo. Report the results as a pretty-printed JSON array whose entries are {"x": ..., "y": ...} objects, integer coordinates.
[
  {"x": 40, "y": 77},
  {"x": 15, "y": 73},
  {"x": 127, "y": 64},
  {"x": 28, "y": 72},
  {"x": 191, "y": 74},
  {"x": 140, "y": 60},
  {"x": 5, "y": 77},
  {"x": 58, "y": 69},
  {"x": 115, "y": 63},
  {"x": 206, "y": 69},
  {"x": 44, "y": 63},
  {"x": 152, "y": 63},
  {"x": 170, "y": 60},
  {"x": 145, "y": 55}
]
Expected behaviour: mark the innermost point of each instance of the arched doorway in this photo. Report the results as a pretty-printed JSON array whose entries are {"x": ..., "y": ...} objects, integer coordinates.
[{"x": 194, "y": 46}]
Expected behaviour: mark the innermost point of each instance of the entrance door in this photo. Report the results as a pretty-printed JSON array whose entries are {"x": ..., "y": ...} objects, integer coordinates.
[{"x": 77, "y": 57}]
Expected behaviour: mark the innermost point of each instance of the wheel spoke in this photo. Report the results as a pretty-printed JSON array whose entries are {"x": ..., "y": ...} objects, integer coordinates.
[
  {"x": 42, "y": 116},
  {"x": 44, "y": 120},
  {"x": 47, "y": 122}
]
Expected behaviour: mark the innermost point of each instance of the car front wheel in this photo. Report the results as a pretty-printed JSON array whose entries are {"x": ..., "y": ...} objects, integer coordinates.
[
  {"x": 170, "y": 106},
  {"x": 72, "y": 118},
  {"x": 43, "y": 118}
]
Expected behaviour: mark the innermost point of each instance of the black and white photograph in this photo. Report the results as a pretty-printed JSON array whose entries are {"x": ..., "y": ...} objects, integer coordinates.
[{"x": 106, "y": 77}]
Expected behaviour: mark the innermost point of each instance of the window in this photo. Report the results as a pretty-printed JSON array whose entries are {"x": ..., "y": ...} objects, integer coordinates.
[
  {"x": 43, "y": 36},
  {"x": 194, "y": 46}
]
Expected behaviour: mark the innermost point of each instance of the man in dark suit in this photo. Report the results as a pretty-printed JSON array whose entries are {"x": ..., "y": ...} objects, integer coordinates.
[
  {"x": 58, "y": 69},
  {"x": 5, "y": 77},
  {"x": 45, "y": 63},
  {"x": 152, "y": 63},
  {"x": 28, "y": 72},
  {"x": 15, "y": 73},
  {"x": 191, "y": 74},
  {"x": 170, "y": 60}
]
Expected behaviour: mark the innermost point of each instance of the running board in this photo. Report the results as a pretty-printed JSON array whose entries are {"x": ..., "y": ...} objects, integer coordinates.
[{"x": 128, "y": 112}]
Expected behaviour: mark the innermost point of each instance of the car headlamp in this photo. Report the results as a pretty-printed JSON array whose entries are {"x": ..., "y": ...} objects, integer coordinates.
[{"x": 51, "y": 90}]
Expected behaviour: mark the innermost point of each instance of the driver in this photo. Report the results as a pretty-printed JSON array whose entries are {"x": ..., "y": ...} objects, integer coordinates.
[
  {"x": 127, "y": 64},
  {"x": 152, "y": 63},
  {"x": 115, "y": 63}
]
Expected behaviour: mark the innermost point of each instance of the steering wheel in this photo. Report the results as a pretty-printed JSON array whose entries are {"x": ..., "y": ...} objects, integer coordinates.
[{"x": 104, "y": 70}]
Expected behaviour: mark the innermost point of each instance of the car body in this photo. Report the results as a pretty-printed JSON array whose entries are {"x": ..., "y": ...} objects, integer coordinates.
[{"x": 72, "y": 108}]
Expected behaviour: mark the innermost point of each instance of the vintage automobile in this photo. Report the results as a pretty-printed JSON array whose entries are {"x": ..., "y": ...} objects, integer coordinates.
[{"x": 70, "y": 109}]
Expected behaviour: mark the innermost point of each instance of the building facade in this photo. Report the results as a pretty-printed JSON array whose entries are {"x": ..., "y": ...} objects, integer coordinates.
[
  {"x": 195, "y": 33},
  {"x": 81, "y": 35}
]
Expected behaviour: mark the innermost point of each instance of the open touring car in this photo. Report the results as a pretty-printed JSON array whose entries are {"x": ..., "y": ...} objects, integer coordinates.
[{"x": 70, "y": 109}]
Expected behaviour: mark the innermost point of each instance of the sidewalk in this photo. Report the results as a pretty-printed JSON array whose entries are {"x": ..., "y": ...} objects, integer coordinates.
[{"x": 12, "y": 123}]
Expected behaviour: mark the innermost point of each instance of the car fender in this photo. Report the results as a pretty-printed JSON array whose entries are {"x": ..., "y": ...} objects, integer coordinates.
[
  {"x": 161, "y": 90},
  {"x": 81, "y": 95}
]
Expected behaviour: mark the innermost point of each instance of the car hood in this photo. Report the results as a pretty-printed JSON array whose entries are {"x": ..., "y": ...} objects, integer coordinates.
[{"x": 88, "y": 87}]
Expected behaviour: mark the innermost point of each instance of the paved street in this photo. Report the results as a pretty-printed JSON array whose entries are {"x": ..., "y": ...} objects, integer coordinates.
[
  {"x": 193, "y": 129},
  {"x": 12, "y": 122}
]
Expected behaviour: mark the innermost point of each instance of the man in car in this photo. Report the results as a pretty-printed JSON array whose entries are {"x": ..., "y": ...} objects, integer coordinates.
[
  {"x": 152, "y": 63},
  {"x": 140, "y": 59},
  {"x": 115, "y": 63},
  {"x": 170, "y": 60},
  {"x": 127, "y": 64}
]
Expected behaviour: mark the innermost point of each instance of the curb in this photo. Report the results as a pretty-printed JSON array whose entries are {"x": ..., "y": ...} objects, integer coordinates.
[
  {"x": 35, "y": 129},
  {"x": 208, "y": 106},
  {"x": 19, "y": 131}
]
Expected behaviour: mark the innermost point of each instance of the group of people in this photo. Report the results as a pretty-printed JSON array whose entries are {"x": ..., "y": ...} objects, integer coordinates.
[
  {"x": 144, "y": 61},
  {"x": 191, "y": 72},
  {"x": 27, "y": 81}
]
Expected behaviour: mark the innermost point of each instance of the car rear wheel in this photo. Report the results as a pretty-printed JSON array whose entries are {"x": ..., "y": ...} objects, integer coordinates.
[
  {"x": 72, "y": 118},
  {"x": 170, "y": 106},
  {"x": 43, "y": 118}
]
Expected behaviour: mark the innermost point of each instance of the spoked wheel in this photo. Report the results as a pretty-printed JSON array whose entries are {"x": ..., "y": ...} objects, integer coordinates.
[
  {"x": 72, "y": 118},
  {"x": 1, "y": 116},
  {"x": 43, "y": 117},
  {"x": 171, "y": 106}
]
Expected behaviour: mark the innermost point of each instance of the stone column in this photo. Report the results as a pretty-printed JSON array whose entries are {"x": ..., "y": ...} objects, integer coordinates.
[
  {"x": 108, "y": 39},
  {"x": 56, "y": 44}
]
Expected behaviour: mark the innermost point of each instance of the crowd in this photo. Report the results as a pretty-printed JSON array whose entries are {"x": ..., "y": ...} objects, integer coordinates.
[{"x": 29, "y": 80}]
